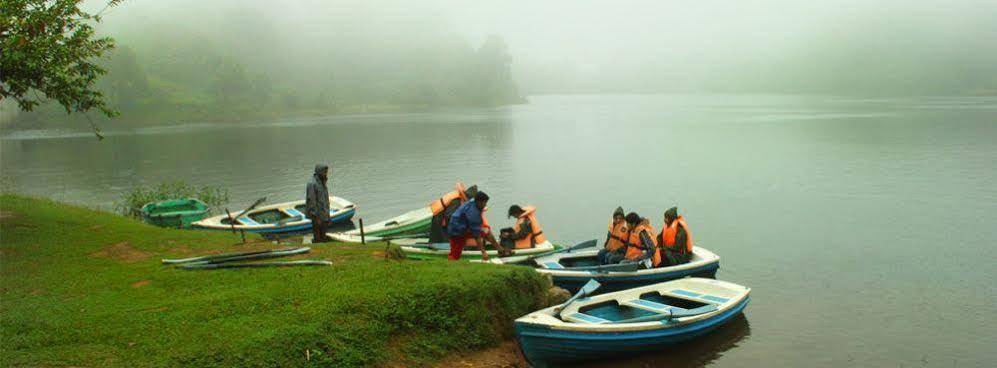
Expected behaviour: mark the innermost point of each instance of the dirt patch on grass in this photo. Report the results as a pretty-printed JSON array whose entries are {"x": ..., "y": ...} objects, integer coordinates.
[
  {"x": 121, "y": 252},
  {"x": 506, "y": 355},
  {"x": 4, "y": 215},
  {"x": 140, "y": 283}
]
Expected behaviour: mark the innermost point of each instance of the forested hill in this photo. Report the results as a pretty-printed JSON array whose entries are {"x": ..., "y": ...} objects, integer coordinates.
[{"x": 230, "y": 61}]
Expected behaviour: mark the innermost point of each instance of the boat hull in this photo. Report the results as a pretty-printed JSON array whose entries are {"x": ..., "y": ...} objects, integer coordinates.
[
  {"x": 627, "y": 322},
  {"x": 340, "y": 211},
  {"x": 177, "y": 213},
  {"x": 704, "y": 264},
  {"x": 544, "y": 346},
  {"x": 417, "y": 249},
  {"x": 411, "y": 224}
]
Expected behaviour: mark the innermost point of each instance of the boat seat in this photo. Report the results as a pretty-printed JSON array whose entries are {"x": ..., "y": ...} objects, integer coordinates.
[
  {"x": 650, "y": 306},
  {"x": 552, "y": 265},
  {"x": 245, "y": 220},
  {"x": 706, "y": 297},
  {"x": 714, "y": 298},
  {"x": 293, "y": 212},
  {"x": 585, "y": 318}
]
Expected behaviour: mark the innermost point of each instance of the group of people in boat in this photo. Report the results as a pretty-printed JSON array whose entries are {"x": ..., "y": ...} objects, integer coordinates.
[
  {"x": 459, "y": 217},
  {"x": 631, "y": 238}
]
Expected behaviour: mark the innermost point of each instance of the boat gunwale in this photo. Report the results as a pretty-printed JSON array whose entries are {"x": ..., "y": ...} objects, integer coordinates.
[{"x": 738, "y": 302}]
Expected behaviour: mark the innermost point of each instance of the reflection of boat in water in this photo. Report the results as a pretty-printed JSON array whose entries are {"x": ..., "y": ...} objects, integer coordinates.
[{"x": 698, "y": 352}]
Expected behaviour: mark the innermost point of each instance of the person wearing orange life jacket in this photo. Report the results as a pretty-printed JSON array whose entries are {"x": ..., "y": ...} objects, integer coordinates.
[
  {"x": 640, "y": 238},
  {"x": 674, "y": 242},
  {"x": 445, "y": 206},
  {"x": 527, "y": 232},
  {"x": 616, "y": 239}
]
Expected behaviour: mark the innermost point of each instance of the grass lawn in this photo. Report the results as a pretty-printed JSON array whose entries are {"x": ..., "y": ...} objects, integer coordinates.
[{"x": 86, "y": 288}]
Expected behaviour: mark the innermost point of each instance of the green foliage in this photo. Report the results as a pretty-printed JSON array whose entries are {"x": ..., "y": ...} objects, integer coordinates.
[
  {"x": 363, "y": 311},
  {"x": 49, "y": 47},
  {"x": 132, "y": 201}
]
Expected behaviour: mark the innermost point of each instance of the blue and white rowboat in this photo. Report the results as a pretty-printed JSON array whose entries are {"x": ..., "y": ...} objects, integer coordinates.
[
  {"x": 571, "y": 270},
  {"x": 631, "y": 321},
  {"x": 279, "y": 219}
]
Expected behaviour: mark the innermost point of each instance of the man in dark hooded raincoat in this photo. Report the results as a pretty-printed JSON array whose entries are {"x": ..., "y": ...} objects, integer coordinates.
[{"x": 317, "y": 203}]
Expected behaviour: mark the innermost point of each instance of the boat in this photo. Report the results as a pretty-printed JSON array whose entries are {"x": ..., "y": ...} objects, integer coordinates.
[
  {"x": 410, "y": 224},
  {"x": 279, "y": 219},
  {"x": 421, "y": 248},
  {"x": 642, "y": 319},
  {"x": 572, "y": 269},
  {"x": 177, "y": 213}
]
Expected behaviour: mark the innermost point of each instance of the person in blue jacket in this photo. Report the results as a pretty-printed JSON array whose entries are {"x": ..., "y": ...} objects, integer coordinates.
[{"x": 468, "y": 222}]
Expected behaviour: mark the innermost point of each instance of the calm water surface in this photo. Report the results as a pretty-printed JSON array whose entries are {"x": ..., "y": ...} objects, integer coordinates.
[{"x": 866, "y": 227}]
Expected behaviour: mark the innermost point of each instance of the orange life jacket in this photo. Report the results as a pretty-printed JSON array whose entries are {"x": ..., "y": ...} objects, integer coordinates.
[
  {"x": 441, "y": 204},
  {"x": 667, "y": 236},
  {"x": 617, "y": 236},
  {"x": 536, "y": 232},
  {"x": 634, "y": 248}
]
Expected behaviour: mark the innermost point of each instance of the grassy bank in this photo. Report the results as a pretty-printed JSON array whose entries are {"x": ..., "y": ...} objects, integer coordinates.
[{"x": 85, "y": 288}]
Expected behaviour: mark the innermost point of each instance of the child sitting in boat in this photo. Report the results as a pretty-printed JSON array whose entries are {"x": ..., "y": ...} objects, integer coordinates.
[
  {"x": 616, "y": 239},
  {"x": 527, "y": 232}
]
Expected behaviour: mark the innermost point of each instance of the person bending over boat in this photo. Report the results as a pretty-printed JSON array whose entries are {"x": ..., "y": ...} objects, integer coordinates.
[
  {"x": 527, "y": 232},
  {"x": 317, "y": 203},
  {"x": 445, "y": 206},
  {"x": 640, "y": 238},
  {"x": 468, "y": 222},
  {"x": 674, "y": 241},
  {"x": 616, "y": 239}
]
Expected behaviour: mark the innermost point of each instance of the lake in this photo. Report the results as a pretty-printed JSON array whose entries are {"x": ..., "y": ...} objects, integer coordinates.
[{"x": 866, "y": 227}]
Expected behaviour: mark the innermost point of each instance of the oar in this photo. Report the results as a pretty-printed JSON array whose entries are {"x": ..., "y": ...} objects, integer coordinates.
[
  {"x": 276, "y": 254},
  {"x": 250, "y": 208},
  {"x": 211, "y": 266},
  {"x": 589, "y": 288},
  {"x": 671, "y": 314},
  {"x": 582, "y": 245},
  {"x": 225, "y": 255}
]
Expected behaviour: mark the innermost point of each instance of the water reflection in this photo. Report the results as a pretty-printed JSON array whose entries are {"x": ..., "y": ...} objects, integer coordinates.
[{"x": 695, "y": 353}]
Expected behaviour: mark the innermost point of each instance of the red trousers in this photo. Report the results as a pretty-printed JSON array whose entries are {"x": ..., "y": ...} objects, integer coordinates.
[{"x": 457, "y": 246}]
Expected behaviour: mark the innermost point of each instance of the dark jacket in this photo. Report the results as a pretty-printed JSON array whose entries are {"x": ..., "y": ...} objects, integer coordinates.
[{"x": 317, "y": 196}]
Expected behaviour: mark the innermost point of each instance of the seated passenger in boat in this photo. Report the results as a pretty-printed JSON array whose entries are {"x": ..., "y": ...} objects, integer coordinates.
[
  {"x": 527, "y": 232},
  {"x": 616, "y": 239},
  {"x": 444, "y": 207},
  {"x": 674, "y": 241},
  {"x": 640, "y": 238}
]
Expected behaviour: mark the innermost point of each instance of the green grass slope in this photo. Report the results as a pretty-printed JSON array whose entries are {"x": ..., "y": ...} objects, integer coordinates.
[{"x": 86, "y": 288}]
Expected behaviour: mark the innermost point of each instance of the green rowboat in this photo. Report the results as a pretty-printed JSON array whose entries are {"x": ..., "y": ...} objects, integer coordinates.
[
  {"x": 414, "y": 223},
  {"x": 175, "y": 213}
]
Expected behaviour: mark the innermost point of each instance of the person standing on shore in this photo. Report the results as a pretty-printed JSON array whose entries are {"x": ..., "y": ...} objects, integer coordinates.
[
  {"x": 468, "y": 222},
  {"x": 317, "y": 203}
]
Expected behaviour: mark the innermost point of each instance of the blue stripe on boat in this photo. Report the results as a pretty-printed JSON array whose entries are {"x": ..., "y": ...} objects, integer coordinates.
[
  {"x": 715, "y": 298},
  {"x": 652, "y": 305},
  {"x": 552, "y": 265},
  {"x": 293, "y": 212},
  {"x": 245, "y": 220},
  {"x": 686, "y": 293},
  {"x": 588, "y": 318}
]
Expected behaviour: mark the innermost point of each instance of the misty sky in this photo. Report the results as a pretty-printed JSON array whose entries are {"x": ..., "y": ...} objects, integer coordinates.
[{"x": 641, "y": 44}]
